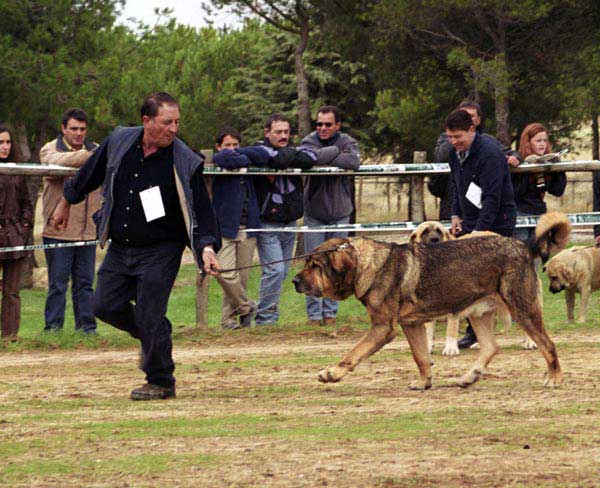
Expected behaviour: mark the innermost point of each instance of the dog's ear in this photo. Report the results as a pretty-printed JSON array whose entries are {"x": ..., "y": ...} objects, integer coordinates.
[
  {"x": 342, "y": 261},
  {"x": 413, "y": 237},
  {"x": 447, "y": 234}
]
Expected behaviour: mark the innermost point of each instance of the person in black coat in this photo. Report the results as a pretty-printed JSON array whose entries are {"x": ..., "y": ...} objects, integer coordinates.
[
  {"x": 441, "y": 185},
  {"x": 483, "y": 193},
  {"x": 530, "y": 188}
]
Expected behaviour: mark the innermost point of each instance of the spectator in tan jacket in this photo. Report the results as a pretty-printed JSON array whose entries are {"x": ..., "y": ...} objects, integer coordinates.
[{"x": 72, "y": 149}]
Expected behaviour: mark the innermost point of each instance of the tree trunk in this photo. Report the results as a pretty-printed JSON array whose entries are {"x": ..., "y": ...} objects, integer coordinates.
[
  {"x": 33, "y": 185},
  {"x": 304, "y": 120},
  {"x": 502, "y": 112},
  {"x": 595, "y": 174},
  {"x": 595, "y": 138}
]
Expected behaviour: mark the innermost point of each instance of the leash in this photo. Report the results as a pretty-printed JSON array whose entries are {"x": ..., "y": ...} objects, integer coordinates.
[{"x": 302, "y": 256}]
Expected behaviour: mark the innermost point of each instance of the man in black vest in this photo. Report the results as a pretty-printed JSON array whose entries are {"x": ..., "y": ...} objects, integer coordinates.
[{"x": 154, "y": 204}]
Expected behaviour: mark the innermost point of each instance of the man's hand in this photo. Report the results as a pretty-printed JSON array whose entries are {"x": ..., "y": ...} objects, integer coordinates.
[
  {"x": 513, "y": 161},
  {"x": 60, "y": 217},
  {"x": 456, "y": 227},
  {"x": 210, "y": 261}
]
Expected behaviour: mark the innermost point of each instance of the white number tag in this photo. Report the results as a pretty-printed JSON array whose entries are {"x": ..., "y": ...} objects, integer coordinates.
[
  {"x": 474, "y": 195},
  {"x": 152, "y": 203}
]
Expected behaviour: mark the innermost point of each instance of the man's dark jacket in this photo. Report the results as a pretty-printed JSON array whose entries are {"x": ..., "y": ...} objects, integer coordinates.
[
  {"x": 102, "y": 168},
  {"x": 228, "y": 196},
  {"x": 485, "y": 166},
  {"x": 282, "y": 158}
]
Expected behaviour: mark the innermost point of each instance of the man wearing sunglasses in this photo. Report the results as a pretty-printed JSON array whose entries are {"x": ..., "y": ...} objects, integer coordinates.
[{"x": 328, "y": 199}]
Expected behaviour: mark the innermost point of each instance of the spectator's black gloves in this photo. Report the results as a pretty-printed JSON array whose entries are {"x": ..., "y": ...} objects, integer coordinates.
[
  {"x": 284, "y": 158},
  {"x": 303, "y": 160}
]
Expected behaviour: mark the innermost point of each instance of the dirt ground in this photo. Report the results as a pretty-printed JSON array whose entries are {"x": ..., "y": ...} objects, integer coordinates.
[{"x": 250, "y": 412}]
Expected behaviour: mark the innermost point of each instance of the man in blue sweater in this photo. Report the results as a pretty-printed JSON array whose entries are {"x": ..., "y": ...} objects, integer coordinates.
[
  {"x": 483, "y": 197},
  {"x": 235, "y": 204},
  {"x": 483, "y": 192}
]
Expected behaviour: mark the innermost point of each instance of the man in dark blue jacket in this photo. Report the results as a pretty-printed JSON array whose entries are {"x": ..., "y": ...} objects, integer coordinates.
[
  {"x": 483, "y": 193},
  {"x": 234, "y": 199},
  {"x": 441, "y": 185},
  {"x": 154, "y": 204},
  {"x": 483, "y": 197}
]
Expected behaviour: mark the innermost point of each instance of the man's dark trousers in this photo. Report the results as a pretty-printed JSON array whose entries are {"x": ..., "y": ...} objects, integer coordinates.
[{"x": 144, "y": 275}]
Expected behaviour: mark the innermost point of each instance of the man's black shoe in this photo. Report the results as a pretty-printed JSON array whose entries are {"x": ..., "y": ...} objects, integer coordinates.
[
  {"x": 468, "y": 340},
  {"x": 153, "y": 392}
]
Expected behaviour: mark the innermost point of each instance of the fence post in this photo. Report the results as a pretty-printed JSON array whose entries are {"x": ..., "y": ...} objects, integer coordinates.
[
  {"x": 203, "y": 282},
  {"x": 202, "y": 301},
  {"x": 417, "y": 207}
]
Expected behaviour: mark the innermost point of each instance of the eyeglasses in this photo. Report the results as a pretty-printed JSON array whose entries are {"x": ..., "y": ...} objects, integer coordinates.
[{"x": 326, "y": 124}]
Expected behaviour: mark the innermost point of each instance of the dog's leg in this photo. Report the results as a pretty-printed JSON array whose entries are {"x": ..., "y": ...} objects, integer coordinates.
[
  {"x": 505, "y": 318},
  {"x": 484, "y": 330},
  {"x": 570, "y": 301},
  {"x": 417, "y": 339},
  {"x": 430, "y": 328},
  {"x": 377, "y": 337},
  {"x": 528, "y": 343},
  {"x": 451, "y": 348},
  {"x": 531, "y": 321},
  {"x": 586, "y": 291}
]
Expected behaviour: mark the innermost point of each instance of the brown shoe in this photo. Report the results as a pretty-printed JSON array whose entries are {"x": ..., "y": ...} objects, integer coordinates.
[
  {"x": 246, "y": 318},
  {"x": 153, "y": 392},
  {"x": 314, "y": 322},
  {"x": 329, "y": 321}
]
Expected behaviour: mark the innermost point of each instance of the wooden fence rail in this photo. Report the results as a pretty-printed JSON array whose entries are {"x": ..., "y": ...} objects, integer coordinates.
[{"x": 414, "y": 173}]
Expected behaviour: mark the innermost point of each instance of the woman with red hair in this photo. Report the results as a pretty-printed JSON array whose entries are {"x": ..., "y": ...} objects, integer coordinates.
[{"x": 530, "y": 188}]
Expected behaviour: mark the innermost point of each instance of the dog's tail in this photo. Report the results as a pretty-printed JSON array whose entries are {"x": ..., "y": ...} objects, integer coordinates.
[{"x": 551, "y": 235}]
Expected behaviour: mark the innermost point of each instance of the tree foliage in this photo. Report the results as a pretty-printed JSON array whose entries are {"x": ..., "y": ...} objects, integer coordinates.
[{"x": 394, "y": 67}]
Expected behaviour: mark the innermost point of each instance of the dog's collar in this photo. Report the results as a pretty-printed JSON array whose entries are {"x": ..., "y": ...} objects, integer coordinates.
[{"x": 347, "y": 245}]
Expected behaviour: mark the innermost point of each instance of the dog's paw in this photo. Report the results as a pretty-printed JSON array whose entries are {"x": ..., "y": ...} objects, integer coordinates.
[
  {"x": 451, "y": 351},
  {"x": 469, "y": 378},
  {"x": 527, "y": 343},
  {"x": 552, "y": 381},
  {"x": 331, "y": 375},
  {"x": 420, "y": 384}
]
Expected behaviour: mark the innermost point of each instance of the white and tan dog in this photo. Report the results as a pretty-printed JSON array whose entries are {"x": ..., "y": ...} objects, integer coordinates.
[
  {"x": 575, "y": 270},
  {"x": 433, "y": 231}
]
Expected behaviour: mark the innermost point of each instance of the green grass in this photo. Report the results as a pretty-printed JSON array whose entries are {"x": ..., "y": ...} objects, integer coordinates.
[{"x": 182, "y": 314}]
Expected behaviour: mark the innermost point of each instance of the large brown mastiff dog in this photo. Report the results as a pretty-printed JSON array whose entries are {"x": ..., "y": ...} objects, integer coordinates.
[{"x": 413, "y": 283}]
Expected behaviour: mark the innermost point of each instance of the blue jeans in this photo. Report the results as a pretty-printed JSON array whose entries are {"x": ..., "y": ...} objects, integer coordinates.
[
  {"x": 272, "y": 246},
  {"x": 321, "y": 308},
  {"x": 144, "y": 275},
  {"x": 77, "y": 264}
]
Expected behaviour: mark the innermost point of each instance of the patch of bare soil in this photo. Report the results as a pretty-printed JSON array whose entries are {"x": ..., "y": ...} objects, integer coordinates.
[{"x": 281, "y": 427}]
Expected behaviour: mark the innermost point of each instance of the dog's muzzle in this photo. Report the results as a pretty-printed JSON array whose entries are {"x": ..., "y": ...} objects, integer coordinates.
[
  {"x": 554, "y": 289},
  {"x": 302, "y": 287}
]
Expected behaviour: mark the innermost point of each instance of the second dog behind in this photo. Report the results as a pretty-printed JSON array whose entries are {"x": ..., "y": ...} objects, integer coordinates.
[
  {"x": 432, "y": 232},
  {"x": 575, "y": 270}
]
